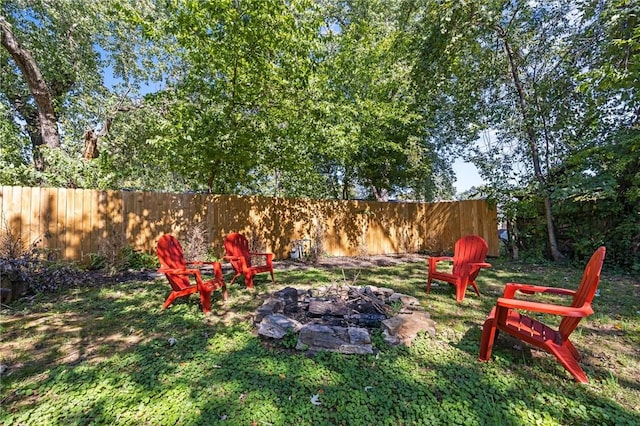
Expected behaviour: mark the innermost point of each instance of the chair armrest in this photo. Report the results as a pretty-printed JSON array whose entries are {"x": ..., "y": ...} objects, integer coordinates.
[
  {"x": 216, "y": 266},
  {"x": 435, "y": 259},
  {"x": 217, "y": 271},
  {"x": 232, "y": 258},
  {"x": 471, "y": 268},
  {"x": 480, "y": 265},
  {"x": 178, "y": 271},
  {"x": 511, "y": 288},
  {"x": 545, "y": 308},
  {"x": 268, "y": 257},
  {"x": 440, "y": 258},
  {"x": 195, "y": 272}
]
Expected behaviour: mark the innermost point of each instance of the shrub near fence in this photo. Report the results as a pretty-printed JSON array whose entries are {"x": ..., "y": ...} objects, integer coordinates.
[{"x": 74, "y": 223}]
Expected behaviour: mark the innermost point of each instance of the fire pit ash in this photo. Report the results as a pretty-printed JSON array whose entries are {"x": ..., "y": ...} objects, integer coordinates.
[{"x": 339, "y": 318}]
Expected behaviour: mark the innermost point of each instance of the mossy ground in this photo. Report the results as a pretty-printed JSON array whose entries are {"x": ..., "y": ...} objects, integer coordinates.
[{"x": 101, "y": 355}]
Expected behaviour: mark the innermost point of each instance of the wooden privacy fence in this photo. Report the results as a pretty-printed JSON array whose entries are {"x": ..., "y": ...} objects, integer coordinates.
[{"x": 74, "y": 223}]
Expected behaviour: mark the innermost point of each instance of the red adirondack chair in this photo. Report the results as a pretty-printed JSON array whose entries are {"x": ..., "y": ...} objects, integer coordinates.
[
  {"x": 237, "y": 252},
  {"x": 179, "y": 273},
  {"x": 468, "y": 258},
  {"x": 505, "y": 316}
]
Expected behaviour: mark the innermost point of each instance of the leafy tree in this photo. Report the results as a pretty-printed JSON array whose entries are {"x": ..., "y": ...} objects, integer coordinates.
[
  {"x": 507, "y": 67},
  {"x": 375, "y": 133},
  {"x": 232, "y": 120},
  {"x": 53, "y": 61},
  {"x": 612, "y": 64},
  {"x": 259, "y": 98},
  {"x": 598, "y": 184},
  {"x": 13, "y": 167},
  {"x": 600, "y": 180}
]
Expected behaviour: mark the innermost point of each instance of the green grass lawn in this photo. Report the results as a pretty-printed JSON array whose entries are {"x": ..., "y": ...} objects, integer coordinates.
[{"x": 101, "y": 355}]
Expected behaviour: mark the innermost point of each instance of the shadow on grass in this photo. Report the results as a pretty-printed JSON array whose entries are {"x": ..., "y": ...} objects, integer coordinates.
[{"x": 219, "y": 371}]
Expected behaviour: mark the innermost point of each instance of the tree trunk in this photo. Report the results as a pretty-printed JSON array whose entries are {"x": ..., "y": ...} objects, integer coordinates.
[
  {"x": 553, "y": 243},
  {"x": 35, "y": 136},
  {"x": 276, "y": 185},
  {"x": 92, "y": 139},
  {"x": 90, "y": 150},
  {"x": 29, "y": 114},
  {"x": 212, "y": 175},
  {"x": 513, "y": 239},
  {"x": 47, "y": 116},
  {"x": 346, "y": 184},
  {"x": 381, "y": 194},
  {"x": 533, "y": 145}
]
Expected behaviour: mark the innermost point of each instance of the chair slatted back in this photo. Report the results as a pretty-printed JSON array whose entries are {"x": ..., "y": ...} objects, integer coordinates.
[
  {"x": 237, "y": 245},
  {"x": 172, "y": 257},
  {"x": 585, "y": 293},
  {"x": 469, "y": 249}
]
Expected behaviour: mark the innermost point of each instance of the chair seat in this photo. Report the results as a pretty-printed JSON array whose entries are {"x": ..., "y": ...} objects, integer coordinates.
[
  {"x": 443, "y": 276},
  {"x": 211, "y": 285},
  {"x": 528, "y": 329}
]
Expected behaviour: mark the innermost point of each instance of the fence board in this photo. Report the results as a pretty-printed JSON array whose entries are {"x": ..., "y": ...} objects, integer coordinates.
[
  {"x": 35, "y": 224},
  {"x": 77, "y": 223},
  {"x": 25, "y": 205}
]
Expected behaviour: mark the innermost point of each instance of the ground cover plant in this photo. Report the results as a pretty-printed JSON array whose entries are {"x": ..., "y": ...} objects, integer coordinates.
[{"x": 106, "y": 354}]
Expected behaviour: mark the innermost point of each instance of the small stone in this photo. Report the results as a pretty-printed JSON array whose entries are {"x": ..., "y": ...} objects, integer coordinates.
[
  {"x": 406, "y": 300},
  {"x": 359, "y": 336},
  {"x": 315, "y": 400},
  {"x": 276, "y": 326},
  {"x": 330, "y": 307},
  {"x": 315, "y": 292},
  {"x": 318, "y": 337},
  {"x": 288, "y": 294},
  {"x": 403, "y": 328},
  {"x": 270, "y": 306}
]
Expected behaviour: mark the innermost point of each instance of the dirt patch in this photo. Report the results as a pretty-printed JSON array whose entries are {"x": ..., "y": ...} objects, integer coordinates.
[
  {"x": 337, "y": 262},
  {"x": 99, "y": 278},
  {"x": 334, "y": 262}
]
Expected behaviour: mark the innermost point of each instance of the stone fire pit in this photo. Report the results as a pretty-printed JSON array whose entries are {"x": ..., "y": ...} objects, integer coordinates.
[{"x": 340, "y": 318}]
